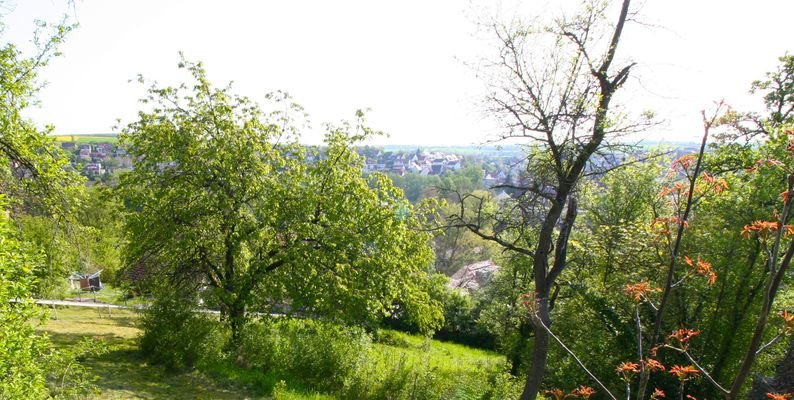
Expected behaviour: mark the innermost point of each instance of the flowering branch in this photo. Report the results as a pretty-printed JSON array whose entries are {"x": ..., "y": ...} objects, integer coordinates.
[
  {"x": 701, "y": 369},
  {"x": 674, "y": 248}
]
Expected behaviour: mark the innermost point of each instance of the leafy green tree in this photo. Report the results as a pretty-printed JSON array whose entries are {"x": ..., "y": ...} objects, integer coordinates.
[
  {"x": 34, "y": 180},
  {"x": 22, "y": 348},
  {"x": 221, "y": 196}
]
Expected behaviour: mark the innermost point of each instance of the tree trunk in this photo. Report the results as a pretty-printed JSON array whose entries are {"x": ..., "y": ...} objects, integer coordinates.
[
  {"x": 236, "y": 318},
  {"x": 540, "y": 353}
]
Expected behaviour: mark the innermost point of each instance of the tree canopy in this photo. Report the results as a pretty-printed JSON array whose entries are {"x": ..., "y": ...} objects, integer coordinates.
[{"x": 223, "y": 195}]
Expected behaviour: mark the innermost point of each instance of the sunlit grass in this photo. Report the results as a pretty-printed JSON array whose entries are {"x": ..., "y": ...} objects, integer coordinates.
[{"x": 124, "y": 374}]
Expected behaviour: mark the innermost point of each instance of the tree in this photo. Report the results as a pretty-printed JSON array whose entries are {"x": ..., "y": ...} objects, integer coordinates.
[
  {"x": 221, "y": 195},
  {"x": 34, "y": 180},
  {"x": 559, "y": 98}
]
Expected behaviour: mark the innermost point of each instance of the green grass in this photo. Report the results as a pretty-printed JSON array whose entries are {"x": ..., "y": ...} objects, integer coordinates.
[{"x": 124, "y": 374}]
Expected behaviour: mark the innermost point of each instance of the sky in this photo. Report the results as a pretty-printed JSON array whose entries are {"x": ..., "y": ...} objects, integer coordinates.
[{"x": 408, "y": 62}]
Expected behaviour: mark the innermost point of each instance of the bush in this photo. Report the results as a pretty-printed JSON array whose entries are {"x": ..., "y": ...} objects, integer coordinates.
[
  {"x": 343, "y": 361},
  {"x": 461, "y": 312},
  {"x": 322, "y": 355},
  {"x": 177, "y": 336}
]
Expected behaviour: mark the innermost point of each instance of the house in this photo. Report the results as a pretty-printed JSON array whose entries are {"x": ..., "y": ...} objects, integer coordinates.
[
  {"x": 85, "y": 154},
  {"x": 69, "y": 146},
  {"x": 94, "y": 169},
  {"x": 473, "y": 276},
  {"x": 86, "y": 282}
]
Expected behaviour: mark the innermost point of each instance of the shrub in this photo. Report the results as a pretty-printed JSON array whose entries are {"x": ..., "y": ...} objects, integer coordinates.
[
  {"x": 177, "y": 336},
  {"x": 320, "y": 354}
]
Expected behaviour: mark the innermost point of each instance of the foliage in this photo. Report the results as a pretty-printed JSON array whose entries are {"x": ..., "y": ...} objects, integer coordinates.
[
  {"x": 22, "y": 348},
  {"x": 222, "y": 194},
  {"x": 176, "y": 335},
  {"x": 87, "y": 241},
  {"x": 322, "y": 355},
  {"x": 30, "y": 367},
  {"x": 461, "y": 314},
  {"x": 33, "y": 170}
]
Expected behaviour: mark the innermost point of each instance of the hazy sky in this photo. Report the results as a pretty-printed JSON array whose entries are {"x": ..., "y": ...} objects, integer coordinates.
[{"x": 406, "y": 60}]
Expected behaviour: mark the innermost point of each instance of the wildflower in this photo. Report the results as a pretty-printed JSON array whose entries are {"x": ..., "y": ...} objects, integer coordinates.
[
  {"x": 657, "y": 394},
  {"x": 703, "y": 268},
  {"x": 690, "y": 397},
  {"x": 760, "y": 163},
  {"x": 557, "y": 394},
  {"x": 678, "y": 188},
  {"x": 684, "y": 373},
  {"x": 788, "y": 320},
  {"x": 779, "y": 396},
  {"x": 719, "y": 185},
  {"x": 583, "y": 391},
  {"x": 683, "y": 336},
  {"x": 761, "y": 228},
  {"x": 653, "y": 365},
  {"x": 786, "y": 194},
  {"x": 627, "y": 369},
  {"x": 639, "y": 290},
  {"x": 684, "y": 162}
]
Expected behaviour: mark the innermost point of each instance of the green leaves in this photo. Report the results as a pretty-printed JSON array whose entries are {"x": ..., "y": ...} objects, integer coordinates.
[{"x": 222, "y": 195}]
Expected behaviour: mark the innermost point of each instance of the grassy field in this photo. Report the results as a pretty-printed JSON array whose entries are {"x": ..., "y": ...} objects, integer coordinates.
[
  {"x": 121, "y": 371},
  {"x": 123, "y": 374},
  {"x": 85, "y": 139}
]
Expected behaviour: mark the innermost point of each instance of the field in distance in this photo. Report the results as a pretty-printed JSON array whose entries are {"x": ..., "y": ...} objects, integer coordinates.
[{"x": 96, "y": 138}]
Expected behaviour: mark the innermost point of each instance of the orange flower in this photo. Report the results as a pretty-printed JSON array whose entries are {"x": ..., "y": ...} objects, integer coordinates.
[
  {"x": 679, "y": 189},
  {"x": 684, "y": 373},
  {"x": 703, "y": 268},
  {"x": 657, "y": 393},
  {"x": 683, "y": 336},
  {"x": 639, "y": 290},
  {"x": 627, "y": 369},
  {"x": 653, "y": 365},
  {"x": 786, "y": 196},
  {"x": 557, "y": 394},
  {"x": 719, "y": 185},
  {"x": 761, "y": 228},
  {"x": 779, "y": 396},
  {"x": 583, "y": 391},
  {"x": 684, "y": 162},
  {"x": 788, "y": 320}
]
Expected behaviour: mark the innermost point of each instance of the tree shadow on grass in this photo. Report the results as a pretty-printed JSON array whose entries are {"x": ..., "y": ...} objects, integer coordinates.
[{"x": 123, "y": 373}]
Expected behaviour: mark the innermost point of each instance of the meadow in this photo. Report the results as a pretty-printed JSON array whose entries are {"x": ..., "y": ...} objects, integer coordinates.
[
  {"x": 123, "y": 373},
  {"x": 86, "y": 139}
]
